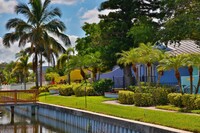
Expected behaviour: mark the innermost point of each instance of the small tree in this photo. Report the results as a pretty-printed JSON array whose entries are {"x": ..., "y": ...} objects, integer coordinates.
[
  {"x": 65, "y": 58},
  {"x": 23, "y": 65},
  {"x": 130, "y": 57},
  {"x": 148, "y": 55},
  {"x": 172, "y": 62}
]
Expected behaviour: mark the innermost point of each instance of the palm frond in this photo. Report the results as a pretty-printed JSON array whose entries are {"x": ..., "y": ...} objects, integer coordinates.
[
  {"x": 22, "y": 8},
  {"x": 10, "y": 38}
]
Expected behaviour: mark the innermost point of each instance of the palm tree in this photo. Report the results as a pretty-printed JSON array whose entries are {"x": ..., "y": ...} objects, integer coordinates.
[
  {"x": 160, "y": 70},
  {"x": 148, "y": 55},
  {"x": 23, "y": 65},
  {"x": 66, "y": 57},
  {"x": 41, "y": 23},
  {"x": 130, "y": 57},
  {"x": 196, "y": 62},
  {"x": 188, "y": 60},
  {"x": 77, "y": 62},
  {"x": 172, "y": 62},
  {"x": 93, "y": 62}
]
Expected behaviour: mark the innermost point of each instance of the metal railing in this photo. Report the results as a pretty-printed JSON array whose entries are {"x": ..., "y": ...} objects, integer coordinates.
[{"x": 18, "y": 96}]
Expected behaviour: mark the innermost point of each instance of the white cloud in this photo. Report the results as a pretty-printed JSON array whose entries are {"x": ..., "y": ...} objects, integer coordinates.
[
  {"x": 73, "y": 39},
  {"x": 67, "y": 2},
  {"x": 92, "y": 16},
  {"x": 8, "y": 54},
  {"x": 7, "y": 6}
]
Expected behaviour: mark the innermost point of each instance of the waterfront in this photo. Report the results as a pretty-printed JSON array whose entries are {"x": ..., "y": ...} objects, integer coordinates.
[{"x": 25, "y": 124}]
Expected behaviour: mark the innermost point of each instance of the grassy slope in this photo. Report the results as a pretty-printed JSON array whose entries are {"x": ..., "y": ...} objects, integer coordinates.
[{"x": 170, "y": 119}]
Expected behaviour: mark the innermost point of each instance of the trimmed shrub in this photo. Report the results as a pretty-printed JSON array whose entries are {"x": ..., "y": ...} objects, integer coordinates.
[
  {"x": 90, "y": 91},
  {"x": 160, "y": 96},
  {"x": 175, "y": 99},
  {"x": 66, "y": 90},
  {"x": 188, "y": 101},
  {"x": 79, "y": 90},
  {"x": 143, "y": 99},
  {"x": 126, "y": 97},
  {"x": 197, "y": 103},
  {"x": 103, "y": 85},
  {"x": 43, "y": 89}
]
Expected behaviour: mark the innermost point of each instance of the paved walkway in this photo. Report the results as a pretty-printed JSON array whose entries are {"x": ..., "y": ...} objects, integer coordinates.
[{"x": 115, "y": 102}]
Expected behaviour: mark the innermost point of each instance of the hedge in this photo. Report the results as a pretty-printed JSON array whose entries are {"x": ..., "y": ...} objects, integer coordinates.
[
  {"x": 143, "y": 99},
  {"x": 103, "y": 85},
  {"x": 66, "y": 90},
  {"x": 79, "y": 90},
  {"x": 126, "y": 97},
  {"x": 175, "y": 99},
  {"x": 188, "y": 101},
  {"x": 160, "y": 96}
]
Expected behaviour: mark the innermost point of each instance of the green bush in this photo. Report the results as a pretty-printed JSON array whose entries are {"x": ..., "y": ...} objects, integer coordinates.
[
  {"x": 103, "y": 85},
  {"x": 43, "y": 89},
  {"x": 126, "y": 97},
  {"x": 79, "y": 90},
  {"x": 175, "y": 99},
  {"x": 160, "y": 96},
  {"x": 188, "y": 101},
  {"x": 143, "y": 99},
  {"x": 66, "y": 90},
  {"x": 197, "y": 102},
  {"x": 90, "y": 91}
]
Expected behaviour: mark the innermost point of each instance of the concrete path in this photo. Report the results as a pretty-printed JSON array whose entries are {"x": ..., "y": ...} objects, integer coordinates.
[{"x": 116, "y": 102}]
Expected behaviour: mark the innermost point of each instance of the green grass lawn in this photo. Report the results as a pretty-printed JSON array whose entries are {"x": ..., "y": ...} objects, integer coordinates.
[
  {"x": 170, "y": 119},
  {"x": 169, "y": 107}
]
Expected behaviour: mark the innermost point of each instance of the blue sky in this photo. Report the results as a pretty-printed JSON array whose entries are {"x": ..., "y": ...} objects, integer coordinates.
[{"x": 74, "y": 14}]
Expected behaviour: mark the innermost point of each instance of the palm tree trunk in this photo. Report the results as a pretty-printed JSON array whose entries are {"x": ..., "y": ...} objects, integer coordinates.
[
  {"x": 136, "y": 75},
  {"x": 36, "y": 71},
  {"x": 99, "y": 74},
  {"x": 41, "y": 70},
  {"x": 149, "y": 73},
  {"x": 82, "y": 73},
  {"x": 128, "y": 76},
  {"x": 94, "y": 73},
  {"x": 197, "y": 90},
  {"x": 177, "y": 74},
  {"x": 160, "y": 73},
  {"x": 69, "y": 79},
  {"x": 24, "y": 81},
  {"x": 190, "y": 69}
]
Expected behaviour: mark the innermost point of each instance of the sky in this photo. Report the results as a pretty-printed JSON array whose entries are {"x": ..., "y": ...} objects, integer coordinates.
[{"x": 74, "y": 14}]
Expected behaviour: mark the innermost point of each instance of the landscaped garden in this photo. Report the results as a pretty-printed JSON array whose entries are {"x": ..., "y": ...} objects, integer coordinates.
[
  {"x": 95, "y": 104},
  {"x": 79, "y": 95},
  {"x": 129, "y": 36}
]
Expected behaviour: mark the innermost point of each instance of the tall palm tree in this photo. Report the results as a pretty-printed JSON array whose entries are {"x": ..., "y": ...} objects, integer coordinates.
[
  {"x": 172, "y": 62},
  {"x": 49, "y": 57},
  {"x": 41, "y": 23},
  {"x": 24, "y": 66},
  {"x": 66, "y": 57}
]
